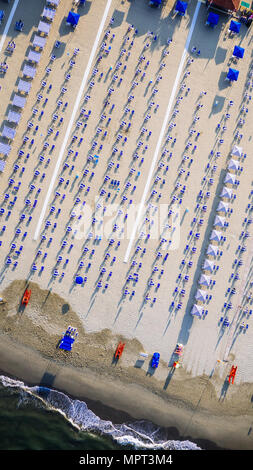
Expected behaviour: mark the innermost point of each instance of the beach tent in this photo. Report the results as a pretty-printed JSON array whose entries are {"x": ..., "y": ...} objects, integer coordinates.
[
  {"x": 212, "y": 19},
  {"x": 215, "y": 236},
  {"x": 204, "y": 280},
  {"x": 234, "y": 26},
  {"x": 212, "y": 250},
  {"x": 238, "y": 52},
  {"x": 208, "y": 265},
  {"x": 197, "y": 310},
  {"x": 229, "y": 178},
  {"x": 233, "y": 164},
  {"x": 232, "y": 75},
  {"x": 236, "y": 151},
  {"x": 79, "y": 280},
  {"x": 201, "y": 295},
  {"x": 222, "y": 207},
  {"x": 73, "y": 19},
  {"x": 219, "y": 221},
  {"x": 226, "y": 192},
  {"x": 181, "y": 7}
]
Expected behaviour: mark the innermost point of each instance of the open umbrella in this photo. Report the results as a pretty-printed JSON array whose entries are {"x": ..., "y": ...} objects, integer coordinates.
[
  {"x": 79, "y": 279},
  {"x": 201, "y": 295},
  {"x": 232, "y": 75},
  {"x": 204, "y": 280},
  {"x": 197, "y": 310},
  {"x": 234, "y": 26},
  {"x": 238, "y": 52}
]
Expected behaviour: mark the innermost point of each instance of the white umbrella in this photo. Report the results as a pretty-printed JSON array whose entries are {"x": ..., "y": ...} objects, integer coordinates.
[
  {"x": 222, "y": 207},
  {"x": 237, "y": 151},
  {"x": 219, "y": 221},
  {"x": 212, "y": 250},
  {"x": 196, "y": 310},
  {"x": 229, "y": 178},
  {"x": 216, "y": 236},
  {"x": 201, "y": 295},
  {"x": 204, "y": 280},
  {"x": 226, "y": 192},
  {"x": 208, "y": 265},
  {"x": 233, "y": 164}
]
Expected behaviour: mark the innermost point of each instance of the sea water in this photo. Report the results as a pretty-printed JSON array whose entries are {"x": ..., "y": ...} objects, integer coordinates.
[{"x": 40, "y": 418}]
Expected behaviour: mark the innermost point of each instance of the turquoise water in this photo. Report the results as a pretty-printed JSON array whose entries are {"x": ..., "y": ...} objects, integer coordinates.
[{"x": 38, "y": 418}]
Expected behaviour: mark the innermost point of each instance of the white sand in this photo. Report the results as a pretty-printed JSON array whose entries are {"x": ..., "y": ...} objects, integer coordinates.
[{"x": 155, "y": 326}]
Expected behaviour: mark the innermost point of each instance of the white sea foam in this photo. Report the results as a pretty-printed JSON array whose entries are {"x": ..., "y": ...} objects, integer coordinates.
[{"x": 139, "y": 434}]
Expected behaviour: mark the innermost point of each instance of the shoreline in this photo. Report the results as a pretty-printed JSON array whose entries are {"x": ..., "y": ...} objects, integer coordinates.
[{"x": 103, "y": 400}]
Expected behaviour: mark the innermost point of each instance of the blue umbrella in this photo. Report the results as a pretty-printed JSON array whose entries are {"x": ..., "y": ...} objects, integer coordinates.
[
  {"x": 233, "y": 75},
  {"x": 73, "y": 18},
  {"x": 238, "y": 52},
  {"x": 181, "y": 7},
  {"x": 155, "y": 2},
  {"x": 234, "y": 26},
  {"x": 79, "y": 280},
  {"x": 213, "y": 19}
]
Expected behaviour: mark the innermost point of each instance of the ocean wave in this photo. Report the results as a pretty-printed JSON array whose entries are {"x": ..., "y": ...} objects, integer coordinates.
[{"x": 139, "y": 434}]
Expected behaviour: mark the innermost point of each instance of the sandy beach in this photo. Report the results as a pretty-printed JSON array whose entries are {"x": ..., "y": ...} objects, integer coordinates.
[{"x": 118, "y": 179}]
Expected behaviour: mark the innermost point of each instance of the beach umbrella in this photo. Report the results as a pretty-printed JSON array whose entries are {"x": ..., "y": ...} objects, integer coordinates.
[
  {"x": 229, "y": 178},
  {"x": 181, "y": 7},
  {"x": 197, "y": 310},
  {"x": 155, "y": 3},
  {"x": 234, "y": 26},
  {"x": 219, "y": 221},
  {"x": 79, "y": 279},
  {"x": 236, "y": 151},
  {"x": 232, "y": 75},
  {"x": 238, "y": 52},
  {"x": 233, "y": 164},
  {"x": 204, "y": 280},
  {"x": 208, "y": 265},
  {"x": 215, "y": 236},
  {"x": 226, "y": 192},
  {"x": 212, "y": 250},
  {"x": 212, "y": 19},
  {"x": 73, "y": 18},
  {"x": 201, "y": 295},
  {"x": 222, "y": 207}
]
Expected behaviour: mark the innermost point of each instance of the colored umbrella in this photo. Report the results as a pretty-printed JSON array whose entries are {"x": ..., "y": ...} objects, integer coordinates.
[
  {"x": 234, "y": 26},
  {"x": 79, "y": 280},
  {"x": 238, "y": 52}
]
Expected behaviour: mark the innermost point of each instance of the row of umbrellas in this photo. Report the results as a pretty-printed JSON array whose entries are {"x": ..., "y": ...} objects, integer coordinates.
[{"x": 216, "y": 236}]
